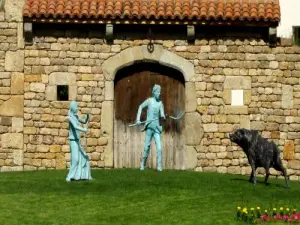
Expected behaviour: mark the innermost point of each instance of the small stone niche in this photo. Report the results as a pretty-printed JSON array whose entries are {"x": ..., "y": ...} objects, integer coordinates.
[
  {"x": 237, "y": 97},
  {"x": 62, "y": 93}
]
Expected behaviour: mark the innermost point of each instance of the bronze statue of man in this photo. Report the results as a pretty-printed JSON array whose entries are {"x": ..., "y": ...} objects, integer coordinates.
[{"x": 155, "y": 110}]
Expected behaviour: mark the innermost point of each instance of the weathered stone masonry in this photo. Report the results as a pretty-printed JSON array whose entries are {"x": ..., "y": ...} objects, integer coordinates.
[
  {"x": 11, "y": 86},
  {"x": 34, "y": 128}
]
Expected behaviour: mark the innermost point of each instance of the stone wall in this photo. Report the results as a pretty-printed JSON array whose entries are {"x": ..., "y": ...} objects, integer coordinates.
[
  {"x": 269, "y": 78},
  {"x": 11, "y": 86},
  {"x": 34, "y": 126}
]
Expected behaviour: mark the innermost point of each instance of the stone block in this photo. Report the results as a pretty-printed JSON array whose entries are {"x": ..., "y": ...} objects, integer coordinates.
[
  {"x": 247, "y": 97},
  {"x": 4, "y": 90},
  {"x": 32, "y": 78},
  {"x": 62, "y": 78},
  {"x": 92, "y": 142},
  {"x": 245, "y": 121},
  {"x": 4, "y": 75},
  {"x": 237, "y": 82},
  {"x": 11, "y": 168},
  {"x": 55, "y": 148},
  {"x": 273, "y": 65},
  {"x": 287, "y": 97},
  {"x": 13, "y": 106},
  {"x": 86, "y": 98},
  {"x": 37, "y": 87},
  {"x": 20, "y": 31},
  {"x": 51, "y": 93},
  {"x": 45, "y": 79},
  {"x": 2, "y": 16},
  {"x": 190, "y": 157},
  {"x": 17, "y": 83},
  {"x": 190, "y": 97},
  {"x": 210, "y": 127},
  {"x": 228, "y": 109},
  {"x": 275, "y": 135},
  {"x": 30, "y": 130},
  {"x": 294, "y": 164},
  {"x": 12, "y": 140},
  {"x": 193, "y": 129},
  {"x": 28, "y": 168},
  {"x": 95, "y": 156},
  {"x": 3, "y": 129},
  {"x": 107, "y": 118},
  {"x": 5, "y": 121},
  {"x": 18, "y": 157},
  {"x": 107, "y": 131},
  {"x": 108, "y": 154},
  {"x": 87, "y": 76},
  {"x": 227, "y": 96},
  {"x": 226, "y": 128},
  {"x": 258, "y": 125},
  {"x": 102, "y": 141},
  {"x": 47, "y": 163},
  {"x": 109, "y": 91},
  {"x": 289, "y": 150},
  {"x": 14, "y": 10},
  {"x": 14, "y": 61},
  {"x": 203, "y": 110}
]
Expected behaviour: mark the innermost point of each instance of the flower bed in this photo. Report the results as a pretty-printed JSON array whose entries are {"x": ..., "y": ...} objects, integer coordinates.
[{"x": 259, "y": 216}]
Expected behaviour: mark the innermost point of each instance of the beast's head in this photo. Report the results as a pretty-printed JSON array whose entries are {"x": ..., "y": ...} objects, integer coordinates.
[{"x": 243, "y": 137}]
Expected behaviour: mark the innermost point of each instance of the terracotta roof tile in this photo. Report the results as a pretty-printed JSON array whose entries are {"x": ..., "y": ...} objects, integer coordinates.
[{"x": 179, "y": 10}]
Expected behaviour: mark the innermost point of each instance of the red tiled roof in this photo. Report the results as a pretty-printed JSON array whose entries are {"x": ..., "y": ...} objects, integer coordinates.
[{"x": 174, "y": 10}]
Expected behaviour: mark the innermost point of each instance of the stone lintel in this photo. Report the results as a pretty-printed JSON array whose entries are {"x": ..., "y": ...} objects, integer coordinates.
[{"x": 237, "y": 82}]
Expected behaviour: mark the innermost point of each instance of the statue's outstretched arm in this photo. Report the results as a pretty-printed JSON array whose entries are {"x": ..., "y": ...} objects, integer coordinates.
[
  {"x": 141, "y": 107},
  {"x": 162, "y": 111},
  {"x": 82, "y": 120},
  {"x": 73, "y": 122}
]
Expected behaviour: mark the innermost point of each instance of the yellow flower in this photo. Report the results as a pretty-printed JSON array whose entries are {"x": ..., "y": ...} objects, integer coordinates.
[
  {"x": 274, "y": 209},
  {"x": 294, "y": 210},
  {"x": 287, "y": 209},
  {"x": 258, "y": 208},
  {"x": 252, "y": 209},
  {"x": 239, "y": 208},
  {"x": 244, "y": 209},
  {"x": 266, "y": 211},
  {"x": 281, "y": 208}
]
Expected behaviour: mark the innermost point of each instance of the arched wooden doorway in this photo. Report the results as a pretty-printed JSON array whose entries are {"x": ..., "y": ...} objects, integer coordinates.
[{"x": 133, "y": 85}]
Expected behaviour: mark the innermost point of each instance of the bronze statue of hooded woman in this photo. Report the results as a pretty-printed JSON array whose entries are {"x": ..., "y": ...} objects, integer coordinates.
[{"x": 80, "y": 166}]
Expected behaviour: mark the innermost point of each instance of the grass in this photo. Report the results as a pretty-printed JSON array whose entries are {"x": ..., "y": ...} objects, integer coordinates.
[{"x": 129, "y": 196}]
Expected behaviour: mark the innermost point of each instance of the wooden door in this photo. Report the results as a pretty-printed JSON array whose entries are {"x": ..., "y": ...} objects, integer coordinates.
[{"x": 133, "y": 85}]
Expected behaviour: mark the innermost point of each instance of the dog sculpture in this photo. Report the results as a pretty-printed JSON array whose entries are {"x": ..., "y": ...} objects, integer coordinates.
[{"x": 260, "y": 152}]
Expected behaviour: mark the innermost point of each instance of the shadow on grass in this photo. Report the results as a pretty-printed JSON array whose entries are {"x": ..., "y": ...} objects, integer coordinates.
[
  {"x": 247, "y": 180},
  {"x": 259, "y": 182}
]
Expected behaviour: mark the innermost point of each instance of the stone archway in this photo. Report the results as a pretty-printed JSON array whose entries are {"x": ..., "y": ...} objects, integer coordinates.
[{"x": 193, "y": 127}]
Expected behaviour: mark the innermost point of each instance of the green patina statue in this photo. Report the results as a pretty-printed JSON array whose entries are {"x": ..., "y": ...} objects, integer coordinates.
[
  {"x": 80, "y": 167},
  {"x": 155, "y": 109}
]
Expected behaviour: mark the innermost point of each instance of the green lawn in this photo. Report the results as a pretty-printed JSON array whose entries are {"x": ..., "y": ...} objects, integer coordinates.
[{"x": 129, "y": 196}]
